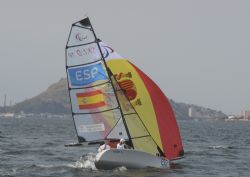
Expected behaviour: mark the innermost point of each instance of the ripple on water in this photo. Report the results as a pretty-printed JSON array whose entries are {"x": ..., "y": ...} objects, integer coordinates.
[{"x": 35, "y": 147}]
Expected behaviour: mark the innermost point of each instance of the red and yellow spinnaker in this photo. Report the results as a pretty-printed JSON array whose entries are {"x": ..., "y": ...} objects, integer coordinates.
[{"x": 153, "y": 109}]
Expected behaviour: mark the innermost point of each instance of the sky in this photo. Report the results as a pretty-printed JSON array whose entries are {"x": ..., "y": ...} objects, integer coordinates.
[{"x": 197, "y": 51}]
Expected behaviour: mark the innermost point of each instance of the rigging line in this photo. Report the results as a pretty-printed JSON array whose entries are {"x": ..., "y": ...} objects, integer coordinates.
[
  {"x": 125, "y": 124},
  {"x": 113, "y": 127},
  {"x": 138, "y": 116},
  {"x": 82, "y": 113}
]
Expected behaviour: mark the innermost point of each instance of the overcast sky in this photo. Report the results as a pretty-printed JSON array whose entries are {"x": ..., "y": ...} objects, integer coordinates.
[{"x": 197, "y": 51}]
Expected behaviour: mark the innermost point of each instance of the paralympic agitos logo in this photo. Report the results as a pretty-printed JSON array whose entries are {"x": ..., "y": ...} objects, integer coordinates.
[{"x": 81, "y": 36}]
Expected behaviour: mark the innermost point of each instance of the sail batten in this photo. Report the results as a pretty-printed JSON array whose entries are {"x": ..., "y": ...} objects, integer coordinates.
[{"x": 97, "y": 111}]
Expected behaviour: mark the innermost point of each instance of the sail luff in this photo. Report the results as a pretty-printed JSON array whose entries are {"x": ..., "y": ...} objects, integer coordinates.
[
  {"x": 110, "y": 75},
  {"x": 66, "y": 67}
]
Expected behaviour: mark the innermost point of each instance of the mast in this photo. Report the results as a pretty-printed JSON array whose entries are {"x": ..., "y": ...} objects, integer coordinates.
[{"x": 112, "y": 84}]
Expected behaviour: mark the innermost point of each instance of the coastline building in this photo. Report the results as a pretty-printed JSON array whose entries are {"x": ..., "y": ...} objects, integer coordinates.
[
  {"x": 190, "y": 112},
  {"x": 195, "y": 112},
  {"x": 245, "y": 114}
]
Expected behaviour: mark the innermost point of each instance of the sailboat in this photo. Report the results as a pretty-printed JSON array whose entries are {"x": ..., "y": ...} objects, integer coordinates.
[{"x": 111, "y": 99}]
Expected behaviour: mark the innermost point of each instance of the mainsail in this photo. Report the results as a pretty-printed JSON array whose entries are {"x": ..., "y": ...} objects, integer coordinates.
[
  {"x": 95, "y": 109},
  {"x": 111, "y": 98}
]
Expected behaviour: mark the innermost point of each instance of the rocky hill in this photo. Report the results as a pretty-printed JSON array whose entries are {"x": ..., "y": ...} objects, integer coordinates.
[
  {"x": 182, "y": 111},
  {"x": 55, "y": 100}
]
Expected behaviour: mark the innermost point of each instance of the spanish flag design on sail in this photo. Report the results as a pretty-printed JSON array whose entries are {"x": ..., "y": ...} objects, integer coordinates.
[
  {"x": 153, "y": 108},
  {"x": 90, "y": 100}
]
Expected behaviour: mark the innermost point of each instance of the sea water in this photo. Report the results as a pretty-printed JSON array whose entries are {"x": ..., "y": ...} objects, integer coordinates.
[{"x": 35, "y": 147}]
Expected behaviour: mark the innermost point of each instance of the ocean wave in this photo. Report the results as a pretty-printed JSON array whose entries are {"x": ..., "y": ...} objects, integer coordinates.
[
  {"x": 121, "y": 169},
  {"x": 220, "y": 147},
  {"x": 87, "y": 161},
  {"x": 28, "y": 151},
  {"x": 2, "y": 137},
  {"x": 50, "y": 166},
  {"x": 10, "y": 173}
]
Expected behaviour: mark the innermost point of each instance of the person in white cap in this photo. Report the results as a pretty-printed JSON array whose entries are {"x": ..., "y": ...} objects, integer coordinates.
[
  {"x": 104, "y": 146},
  {"x": 122, "y": 145}
]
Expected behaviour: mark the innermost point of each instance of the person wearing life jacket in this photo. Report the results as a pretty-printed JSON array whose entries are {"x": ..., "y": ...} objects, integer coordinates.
[
  {"x": 104, "y": 146},
  {"x": 122, "y": 145}
]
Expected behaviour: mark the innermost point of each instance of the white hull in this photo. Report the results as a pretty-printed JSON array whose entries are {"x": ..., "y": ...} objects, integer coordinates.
[{"x": 131, "y": 159}]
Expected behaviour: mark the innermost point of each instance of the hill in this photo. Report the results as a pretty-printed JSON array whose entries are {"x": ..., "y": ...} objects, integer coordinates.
[{"x": 55, "y": 100}]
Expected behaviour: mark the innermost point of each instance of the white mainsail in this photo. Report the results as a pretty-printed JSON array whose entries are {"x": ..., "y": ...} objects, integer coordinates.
[{"x": 95, "y": 109}]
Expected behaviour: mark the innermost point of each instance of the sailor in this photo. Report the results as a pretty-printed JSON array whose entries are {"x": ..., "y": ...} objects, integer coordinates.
[
  {"x": 104, "y": 146},
  {"x": 122, "y": 145}
]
